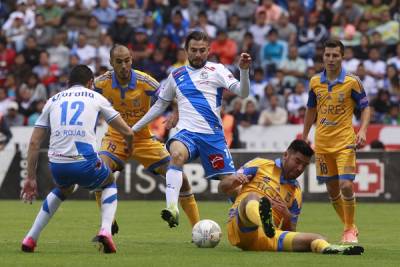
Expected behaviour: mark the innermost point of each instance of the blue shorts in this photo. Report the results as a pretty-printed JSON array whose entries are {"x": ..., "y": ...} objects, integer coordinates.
[
  {"x": 212, "y": 149},
  {"x": 89, "y": 174}
]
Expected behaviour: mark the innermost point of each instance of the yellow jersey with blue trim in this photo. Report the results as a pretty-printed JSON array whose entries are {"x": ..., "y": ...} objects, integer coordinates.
[
  {"x": 132, "y": 101},
  {"x": 267, "y": 180},
  {"x": 335, "y": 102}
]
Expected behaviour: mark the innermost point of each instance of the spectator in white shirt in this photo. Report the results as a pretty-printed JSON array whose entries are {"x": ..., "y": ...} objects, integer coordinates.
[
  {"x": 350, "y": 63},
  {"x": 274, "y": 115},
  {"x": 374, "y": 66},
  {"x": 297, "y": 99}
]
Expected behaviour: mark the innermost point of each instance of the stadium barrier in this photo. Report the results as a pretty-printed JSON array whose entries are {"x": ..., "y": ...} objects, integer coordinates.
[{"x": 377, "y": 178}]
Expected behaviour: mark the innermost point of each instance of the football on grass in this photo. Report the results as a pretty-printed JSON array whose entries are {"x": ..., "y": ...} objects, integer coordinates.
[{"x": 206, "y": 234}]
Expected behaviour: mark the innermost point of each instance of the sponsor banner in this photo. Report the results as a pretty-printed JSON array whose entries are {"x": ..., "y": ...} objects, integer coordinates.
[{"x": 376, "y": 180}]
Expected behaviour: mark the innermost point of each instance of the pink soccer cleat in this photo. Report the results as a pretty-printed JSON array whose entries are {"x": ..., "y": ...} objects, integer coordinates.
[
  {"x": 105, "y": 241},
  {"x": 28, "y": 244},
  {"x": 350, "y": 236}
]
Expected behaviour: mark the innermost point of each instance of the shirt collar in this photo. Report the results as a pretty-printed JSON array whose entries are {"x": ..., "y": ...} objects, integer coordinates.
[
  {"x": 340, "y": 79},
  {"x": 278, "y": 163},
  {"x": 131, "y": 85}
]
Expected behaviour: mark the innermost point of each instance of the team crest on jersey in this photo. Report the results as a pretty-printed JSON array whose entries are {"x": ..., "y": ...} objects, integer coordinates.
[
  {"x": 341, "y": 98},
  {"x": 217, "y": 161},
  {"x": 266, "y": 179},
  {"x": 204, "y": 75}
]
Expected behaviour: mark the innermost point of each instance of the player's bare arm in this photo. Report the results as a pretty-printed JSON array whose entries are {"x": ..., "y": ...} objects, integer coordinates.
[
  {"x": 29, "y": 189},
  {"x": 361, "y": 137},
  {"x": 311, "y": 114},
  {"x": 231, "y": 183}
]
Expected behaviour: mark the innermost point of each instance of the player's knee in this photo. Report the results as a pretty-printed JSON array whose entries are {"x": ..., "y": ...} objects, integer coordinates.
[
  {"x": 177, "y": 158},
  {"x": 347, "y": 188}
]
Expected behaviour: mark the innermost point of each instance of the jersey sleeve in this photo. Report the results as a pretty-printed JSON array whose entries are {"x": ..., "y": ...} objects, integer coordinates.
[
  {"x": 226, "y": 77},
  {"x": 152, "y": 85},
  {"x": 43, "y": 120},
  {"x": 295, "y": 208},
  {"x": 108, "y": 112},
  {"x": 167, "y": 91},
  {"x": 358, "y": 94}
]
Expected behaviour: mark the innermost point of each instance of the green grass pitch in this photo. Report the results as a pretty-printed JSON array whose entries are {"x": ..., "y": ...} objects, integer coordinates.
[{"x": 145, "y": 240}]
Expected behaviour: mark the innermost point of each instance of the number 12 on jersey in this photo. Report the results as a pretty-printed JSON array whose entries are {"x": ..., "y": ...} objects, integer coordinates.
[{"x": 76, "y": 108}]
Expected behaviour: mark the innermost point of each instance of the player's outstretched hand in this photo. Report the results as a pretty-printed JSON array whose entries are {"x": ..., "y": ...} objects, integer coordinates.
[
  {"x": 361, "y": 139},
  {"x": 29, "y": 190},
  {"x": 244, "y": 61},
  {"x": 128, "y": 147},
  {"x": 240, "y": 179}
]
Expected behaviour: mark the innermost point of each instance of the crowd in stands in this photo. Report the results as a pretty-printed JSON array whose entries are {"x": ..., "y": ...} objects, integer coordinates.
[{"x": 41, "y": 40}]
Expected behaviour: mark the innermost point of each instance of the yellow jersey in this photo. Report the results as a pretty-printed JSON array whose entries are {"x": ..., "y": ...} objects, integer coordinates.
[
  {"x": 266, "y": 179},
  {"x": 335, "y": 103},
  {"x": 132, "y": 101}
]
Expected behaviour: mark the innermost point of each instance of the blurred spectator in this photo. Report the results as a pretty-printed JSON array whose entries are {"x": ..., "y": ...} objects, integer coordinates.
[
  {"x": 4, "y": 100},
  {"x": 46, "y": 72},
  {"x": 42, "y": 33},
  {"x": 203, "y": 25},
  {"x": 273, "y": 52},
  {"x": 297, "y": 99},
  {"x": 181, "y": 60},
  {"x": 235, "y": 108},
  {"x": 260, "y": 28},
  {"x": 298, "y": 117},
  {"x": 374, "y": 66},
  {"x": 249, "y": 46},
  {"x": 389, "y": 29},
  {"x": 258, "y": 84},
  {"x": 104, "y": 51},
  {"x": 25, "y": 102},
  {"x": 177, "y": 29},
  {"x": 361, "y": 51},
  {"x": 350, "y": 63},
  {"x": 224, "y": 48},
  {"x": 310, "y": 35},
  {"x": 93, "y": 32},
  {"x": 23, "y": 11},
  {"x": 392, "y": 80},
  {"x": 38, "y": 107},
  {"x": 269, "y": 91},
  {"x": 245, "y": 11},
  {"x": 105, "y": 14},
  {"x": 188, "y": 10},
  {"x": 231, "y": 132},
  {"x": 393, "y": 117},
  {"x": 33, "y": 84},
  {"x": 78, "y": 12},
  {"x": 396, "y": 59},
  {"x": 157, "y": 66},
  {"x": 293, "y": 67},
  {"x": 5, "y": 132},
  {"x": 134, "y": 14},
  {"x": 216, "y": 15},
  {"x": 142, "y": 49},
  {"x": 272, "y": 11},
  {"x": 287, "y": 31},
  {"x": 11, "y": 85},
  {"x": 20, "y": 69},
  {"x": 296, "y": 12},
  {"x": 324, "y": 8},
  {"x": 250, "y": 113},
  {"x": 4, "y": 12},
  {"x": 59, "y": 52},
  {"x": 368, "y": 82},
  {"x": 274, "y": 114},
  {"x": 12, "y": 117},
  {"x": 153, "y": 31},
  {"x": 381, "y": 104},
  {"x": 376, "y": 41},
  {"x": 7, "y": 57},
  {"x": 31, "y": 52},
  {"x": 17, "y": 31},
  {"x": 373, "y": 13},
  {"x": 120, "y": 31},
  {"x": 160, "y": 12},
  {"x": 85, "y": 52},
  {"x": 166, "y": 45},
  {"x": 51, "y": 12},
  {"x": 350, "y": 11},
  {"x": 235, "y": 32}
]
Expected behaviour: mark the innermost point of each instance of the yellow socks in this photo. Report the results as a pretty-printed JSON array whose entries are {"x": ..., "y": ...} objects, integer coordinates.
[
  {"x": 349, "y": 205},
  {"x": 318, "y": 245},
  {"x": 98, "y": 198},
  {"x": 337, "y": 204},
  {"x": 189, "y": 206},
  {"x": 253, "y": 213}
]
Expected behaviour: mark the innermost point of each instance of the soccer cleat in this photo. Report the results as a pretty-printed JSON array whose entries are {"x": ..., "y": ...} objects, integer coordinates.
[
  {"x": 266, "y": 217},
  {"x": 28, "y": 244},
  {"x": 114, "y": 227},
  {"x": 344, "y": 250},
  {"x": 171, "y": 216},
  {"x": 105, "y": 242},
  {"x": 350, "y": 236}
]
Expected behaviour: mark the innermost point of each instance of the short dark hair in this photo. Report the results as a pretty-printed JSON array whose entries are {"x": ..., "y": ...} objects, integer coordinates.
[
  {"x": 80, "y": 75},
  {"x": 332, "y": 43},
  {"x": 301, "y": 146},
  {"x": 198, "y": 36}
]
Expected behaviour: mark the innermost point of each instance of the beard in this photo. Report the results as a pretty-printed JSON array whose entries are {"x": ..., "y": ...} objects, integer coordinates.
[{"x": 198, "y": 65}]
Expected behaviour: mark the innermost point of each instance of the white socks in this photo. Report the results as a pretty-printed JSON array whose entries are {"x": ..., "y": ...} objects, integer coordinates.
[
  {"x": 108, "y": 206},
  {"x": 49, "y": 207},
  {"x": 174, "y": 183}
]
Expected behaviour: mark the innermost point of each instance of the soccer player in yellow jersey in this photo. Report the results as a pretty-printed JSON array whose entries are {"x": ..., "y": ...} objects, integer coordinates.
[
  {"x": 130, "y": 92},
  {"x": 271, "y": 197},
  {"x": 334, "y": 95}
]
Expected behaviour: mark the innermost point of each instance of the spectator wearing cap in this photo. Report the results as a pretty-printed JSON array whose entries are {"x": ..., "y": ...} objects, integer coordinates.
[
  {"x": 120, "y": 31},
  {"x": 105, "y": 14},
  {"x": 7, "y": 57},
  {"x": 273, "y": 52},
  {"x": 23, "y": 11},
  {"x": 311, "y": 35},
  {"x": 12, "y": 117},
  {"x": 177, "y": 29},
  {"x": 260, "y": 28},
  {"x": 245, "y": 11},
  {"x": 134, "y": 14},
  {"x": 272, "y": 11},
  {"x": 216, "y": 15},
  {"x": 51, "y": 12},
  {"x": 17, "y": 31},
  {"x": 224, "y": 48}
]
